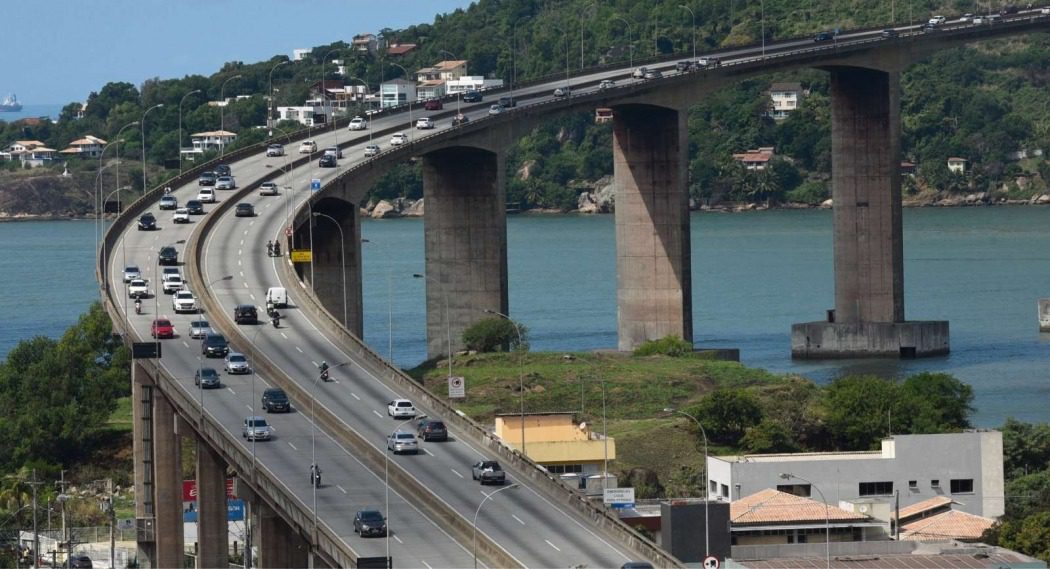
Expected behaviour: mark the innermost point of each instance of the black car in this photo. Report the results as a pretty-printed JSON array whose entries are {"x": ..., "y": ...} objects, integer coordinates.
[
  {"x": 168, "y": 256},
  {"x": 327, "y": 161},
  {"x": 195, "y": 207},
  {"x": 215, "y": 346},
  {"x": 507, "y": 102},
  {"x": 823, "y": 36},
  {"x": 890, "y": 33},
  {"x": 245, "y": 314},
  {"x": 147, "y": 222},
  {"x": 431, "y": 430},
  {"x": 80, "y": 561},
  {"x": 369, "y": 522},
  {"x": 207, "y": 377},
  {"x": 244, "y": 210},
  {"x": 275, "y": 400},
  {"x": 472, "y": 97},
  {"x": 223, "y": 170},
  {"x": 206, "y": 179},
  {"x": 460, "y": 119}
]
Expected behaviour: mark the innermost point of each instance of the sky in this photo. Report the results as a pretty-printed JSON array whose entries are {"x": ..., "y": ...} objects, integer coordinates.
[{"x": 61, "y": 51}]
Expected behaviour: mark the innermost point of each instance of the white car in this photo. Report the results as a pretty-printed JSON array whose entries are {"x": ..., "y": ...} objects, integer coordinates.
[
  {"x": 236, "y": 363},
  {"x": 358, "y": 123},
  {"x": 966, "y": 17},
  {"x": 274, "y": 150},
  {"x": 606, "y": 84},
  {"x": 1044, "y": 11},
  {"x": 398, "y": 139},
  {"x": 183, "y": 301},
  {"x": 496, "y": 109},
  {"x": 138, "y": 288},
  {"x": 170, "y": 271},
  {"x": 937, "y": 20},
  {"x": 401, "y": 409},
  {"x": 307, "y": 147},
  {"x": 206, "y": 195},
  {"x": 424, "y": 123},
  {"x": 372, "y": 150},
  {"x": 225, "y": 183},
  {"x": 268, "y": 189},
  {"x": 132, "y": 272},
  {"x": 562, "y": 92},
  {"x": 181, "y": 215},
  {"x": 172, "y": 283}
]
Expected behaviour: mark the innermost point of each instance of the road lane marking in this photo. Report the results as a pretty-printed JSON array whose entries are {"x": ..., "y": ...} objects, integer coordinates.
[
  {"x": 185, "y": 344},
  {"x": 340, "y": 488},
  {"x": 284, "y": 336},
  {"x": 293, "y": 447},
  {"x": 239, "y": 251},
  {"x": 427, "y": 565},
  {"x": 300, "y": 349},
  {"x": 518, "y": 519},
  {"x": 552, "y": 545},
  {"x": 230, "y": 389},
  {"x": 399, "y": 540},
  {"x": 315, "y": 363},
  {"x": 241, "y": 244},
  {"x": 238, "y": 262},
  {"x": 252, "y": 296},
  {"x": 242, "y": 273},
  {"x": 456, "y": 473},
  {"x": 251, "y": 223},
  {"x": 377, "y": 413},
  {"x": 248, "y": 406},
  {"x": 354, "y": 395}
]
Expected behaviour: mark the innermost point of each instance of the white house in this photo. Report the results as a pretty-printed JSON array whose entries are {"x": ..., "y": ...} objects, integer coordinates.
[
  {"x": 313, "y": 113},
  {"x": 757, "y": 158},
  {"x": 957, "y": 165},
  {"x": 212, "y": 140},
  {"x": 471, "y": 83},
  {"x": 785, "y": 97},
  {"x": 300, "y": 54},
  {"x": 87, "y": 147},
  {"x": 396, "y": 92},
  {"x": 433, "y": 89}
]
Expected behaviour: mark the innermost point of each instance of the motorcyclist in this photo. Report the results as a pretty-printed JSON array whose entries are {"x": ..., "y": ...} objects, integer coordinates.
[
  {"x": 269, "y": 248},
  {"x": 324, "y": 370},
  {"x": 269, "y": 307},
  {"x": 167, "y": 190},
  {"x": 276, "y": 248},
  {"x": 315, "y": 475},
  {"x": 275, "y": 318},
  {"x": 138, "y": 306}
]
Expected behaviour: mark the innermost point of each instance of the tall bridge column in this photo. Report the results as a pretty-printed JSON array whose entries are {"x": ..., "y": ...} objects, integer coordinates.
[
  {"x": 279, "y": 545},
  {"x": 654, "y": 282},
  {"x": 337, "y": 262},
  {"x": 212, "y": 533},
  {"x": 465, "y": 236},
  {"x": 142, "y": 390},
  {"x": 167, "y": 455},
  {"x": 868, "y": 319}
]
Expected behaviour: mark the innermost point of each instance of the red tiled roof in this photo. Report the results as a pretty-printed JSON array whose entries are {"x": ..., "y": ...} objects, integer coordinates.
[
  {"x": 773, "y": 506},
  {"x": 924, "y": 506},
  {"x": 401, "y": 49},
  {"x": 952, "y": 524}
]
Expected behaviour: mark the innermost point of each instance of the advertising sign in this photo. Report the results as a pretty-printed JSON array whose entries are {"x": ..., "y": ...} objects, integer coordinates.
[{"x": 619, "y": 497}]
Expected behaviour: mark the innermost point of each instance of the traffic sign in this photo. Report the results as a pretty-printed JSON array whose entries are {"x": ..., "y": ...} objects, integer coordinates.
[
  {"x": 619, "y": 498},
  {"x": 315, "y": 184},
  {"x": 711, "y": 562},
  {"x": 457, "y": 387},
  {"x": 287, "y": 231},
  {"x": 302, "y": 256}
]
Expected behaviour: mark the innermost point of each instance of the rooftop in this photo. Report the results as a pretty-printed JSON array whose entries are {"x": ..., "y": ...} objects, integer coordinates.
[
  {"x": 224, "y": 133},
  {"x": 984, "y": 560},
  {"x": 945, "y": 526},
  {"x": 924, "y": 507},
  {"x": 771, "y": 506}
]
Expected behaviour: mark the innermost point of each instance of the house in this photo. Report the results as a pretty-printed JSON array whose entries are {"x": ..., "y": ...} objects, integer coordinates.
[
  {"x": 364, "y": 42},
  {"x": 300, "y": 54},
  {"x": 400, "y": 49},
  {"x": 557, "y": 442},
  {"x": 206, "y": 141},
  {"x": 756, "y": 159},
  {"x": 934, "y": 520},
  {"x": 967, "y": 466},
  {"x": 907, "y": 167},
  {"x": 434, "y": 89},
  {"x": 87, "y": 147},
  {"x": 774, "y": 517},
  {"x": 785, "y": 98},
  {"x": 471, "y": 83},
  {"x": 37, "y": 156},
  {"x": 313, "y": 113},
  {"x": 957, "y": 165},
  {"x": 325, "y": 89},
  {"x": 446, "y": 70},
  {"x": 396, "y": 92}
]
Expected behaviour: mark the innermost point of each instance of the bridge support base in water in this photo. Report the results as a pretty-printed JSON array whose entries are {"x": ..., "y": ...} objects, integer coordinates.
[{"x": 832, "y": 340}]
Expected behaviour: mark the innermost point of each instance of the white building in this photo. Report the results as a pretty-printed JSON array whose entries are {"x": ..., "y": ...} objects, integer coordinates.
[
  {"x": 313, "y": 113},
  {"x": 966, "y": 467},
  {"x": 87, "y": 147},
  {"x": 785, "y": 97},
  {"x": 957, "y": 165},
  {"x": 300, "y": 54},
  {"x": 471, "y": 83},
  {"x": 396, "y": 92},
  {"x": 211, "y": 140}
]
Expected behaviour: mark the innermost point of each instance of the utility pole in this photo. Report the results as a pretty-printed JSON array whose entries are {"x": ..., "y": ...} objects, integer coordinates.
[
  {"x": 111, "y": 513},
  {"x": 36, "y": 536},
  {"x": 63, "y": 497}
]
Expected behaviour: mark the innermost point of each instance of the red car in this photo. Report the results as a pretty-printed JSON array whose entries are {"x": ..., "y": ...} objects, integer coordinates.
[
  {"x": 433, "y": 105},
  {"x": 162, "y": 328}
]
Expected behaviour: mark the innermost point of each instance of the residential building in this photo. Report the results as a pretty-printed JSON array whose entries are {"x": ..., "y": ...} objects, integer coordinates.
[
  {"x": 396, "y": 92},
  {"x": 757, "y": 159},
  {"x": 30, "y": 153},
  {"x": 774, "y": 517},
  {"x": 957, "y": 165},
  {"x": 365, "y": 42},
  {"x": 785, "y": 98},
  {"x": 967, "y": 466},
  {"x": 557, "y": 442},
  {"x": 434, "y": 89},
  {"x": 400, "y": 49},
  {"x": 471, "y": 83},
  {"x": 313, "y": 113},
  {"x": 87, "y": 147},
  {"x": 213, "y": 140},
  {"x": 300, "y": 54},
  {"x": 934, "y": 520},
  {"x": 446, "y": 70}
]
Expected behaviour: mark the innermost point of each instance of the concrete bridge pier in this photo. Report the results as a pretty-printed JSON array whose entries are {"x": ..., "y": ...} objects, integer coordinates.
[
  {"x": 868, "y": 319},
  {"x": 465, "y": 236},
  {"x": 142, "y": 391},
  {"x": 212, "y": 534},
  {"x": 279, "y": 545},
  {"x": 167, "y": 456},
  {"x": 654, "y": 282},
  {"x": 337, "y": 238}
]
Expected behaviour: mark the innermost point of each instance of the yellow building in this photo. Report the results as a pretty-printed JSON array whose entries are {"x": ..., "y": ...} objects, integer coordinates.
[{"x": 557, "y": 442}]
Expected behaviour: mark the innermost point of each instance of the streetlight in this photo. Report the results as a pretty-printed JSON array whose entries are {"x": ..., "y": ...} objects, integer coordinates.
[
  {"x": 142, "y": 123},
  {"x": 269, "y": 113},
  {"x": 324, "y": 97},
  {"x": 459, "y": 93},
  {"x": 200, "y": 358},
  {"x": 448, "y": 323},
  {"x": 313, "y": 436},
  {"x": 486, "y": 499},
  {"x": 521, "y": 373},
  {"x": 195, "y": 91},
  {"x": 368, "y": 117},
  {"x": 98, "y": 192},
  {"x": 342, "y": 253},
  {"x": 763, "y": 5},
  {"x": 222, "y": 115},
  {"x": 386, "y": 478},
  {"x": 630, "y": 46},
  {"x": 684, "y": 7},
  {"x": 707, "y": 523},
  {"x": 827, "y": 516},
  {"x": 116, "y": 173},
  {"x": 406, "y": 94}
]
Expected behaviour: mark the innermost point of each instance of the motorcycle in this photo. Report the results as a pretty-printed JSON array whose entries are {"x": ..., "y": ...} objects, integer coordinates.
[
  {"x": 276, "y": 249},
  {"x": 269, "y": 249},
  {"x": 315, "y": 476},
  {"x": 138, "y": 306},
  {"x": 275, "y": 319}
]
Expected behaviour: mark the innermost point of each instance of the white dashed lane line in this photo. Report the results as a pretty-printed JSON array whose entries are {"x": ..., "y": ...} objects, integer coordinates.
[
  {"x": 340, "y": 488},
  {"x": 428, "y": 452},
  {"x": 284, "y": 336},
  {"x": 300, "y": 349},
  {"x": 518, "y": 519},
  {"x": 354, "y": 395},
  {"x": 185, "y": 344},
  {"x": 456, "y": 473},
  {"x": 552, "y": 545},
  {"x": 230, "y": 389},
  {"x": 293, "y": 447},
  {"x": 377, "y": 413},
  {"x": 399, "y": 540}
]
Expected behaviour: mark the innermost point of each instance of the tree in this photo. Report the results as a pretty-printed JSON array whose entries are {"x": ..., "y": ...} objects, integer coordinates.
[
  {"x": 1030, "y": 535},
  {"x": 494, "y": 334},
  {"x": 857, "y": 410},
  {"x": 939, "y": 403},
  {"x": 1026, "y": 447},
  {"x": 768, "y": 436},
  {"x": 726, "y": 414}
]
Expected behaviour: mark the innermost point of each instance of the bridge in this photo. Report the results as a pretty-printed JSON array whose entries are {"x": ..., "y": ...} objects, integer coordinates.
[{"x": 437, "y": 516}]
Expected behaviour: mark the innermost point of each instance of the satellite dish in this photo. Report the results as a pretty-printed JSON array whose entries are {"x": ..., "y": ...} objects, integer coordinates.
[{"x": 583, "y": 426}]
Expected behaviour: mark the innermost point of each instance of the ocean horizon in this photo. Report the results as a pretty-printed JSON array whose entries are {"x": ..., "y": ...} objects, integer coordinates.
[{"x": 50, "y": 110}]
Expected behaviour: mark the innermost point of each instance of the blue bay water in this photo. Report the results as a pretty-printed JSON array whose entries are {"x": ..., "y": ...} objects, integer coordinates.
[{"x": 31, "y": 111}]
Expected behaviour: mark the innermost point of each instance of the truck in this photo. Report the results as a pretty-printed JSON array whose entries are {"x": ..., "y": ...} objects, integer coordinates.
[{"x": 277, "y": 296}]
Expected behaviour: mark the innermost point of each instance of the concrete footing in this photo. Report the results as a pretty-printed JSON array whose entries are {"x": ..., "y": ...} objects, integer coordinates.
[
  {"x": 820, "y": 340},
  {"x": 1044, "y": 314}
]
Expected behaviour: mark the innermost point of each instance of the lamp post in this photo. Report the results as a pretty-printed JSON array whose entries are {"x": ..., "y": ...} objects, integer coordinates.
[
  {"x": 142, "y": 123},
  {"x": 521, "y": 374},
  {"x": 827, "y": 515},
  {"x": 405, "y": 71},
  {"x": 691, "y": 13},
  {"x": 342, "y": 253},
  {"x": 313, "y": 437},
  {"x": 324, "y": 97},
  {"x": 98, "y": 193},
  {"x": 630, "y": 46},
  {"x": 763, "y": 7},
  {"x": 222, "y": 115},
  {"x": 707, "y": 528},
  {"x": 459, "y": 93},
  {"x": 368, "y": 117},
  {"x": 195, "y": 91},
  {"x": 116, "y": 172},
  {"x": 475, "y": 524},
  {"x": 386, "y": 479},
  {"x": 448, "y": 322},
  {"x": 269, "y": 108}
]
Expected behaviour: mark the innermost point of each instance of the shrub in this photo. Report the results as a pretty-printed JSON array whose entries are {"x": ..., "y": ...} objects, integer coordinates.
[
  {"x": 667, "y": 346},
  {"x": 495, "y": 334}
]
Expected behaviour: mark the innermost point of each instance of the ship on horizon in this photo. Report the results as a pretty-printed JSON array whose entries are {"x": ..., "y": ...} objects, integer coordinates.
[{"x": 10, "y": 104}]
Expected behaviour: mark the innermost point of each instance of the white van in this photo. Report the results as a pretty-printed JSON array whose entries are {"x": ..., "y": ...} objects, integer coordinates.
[{"x": 278, "y": 296}]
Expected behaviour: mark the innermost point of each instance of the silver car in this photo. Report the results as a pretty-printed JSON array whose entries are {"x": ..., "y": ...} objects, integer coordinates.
[
  {"x": 199, "y": 328},
  {"x": 402, "y": 442},
  {"x": 236, "y": 363},
  {"x": 268, "y": 189},
  {"x": 132, "y": 272},
  {"x": 256, "y": 429}
]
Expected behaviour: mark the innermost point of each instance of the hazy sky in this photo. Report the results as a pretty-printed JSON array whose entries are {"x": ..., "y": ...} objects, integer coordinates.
[{"x": 60, "y": 51}]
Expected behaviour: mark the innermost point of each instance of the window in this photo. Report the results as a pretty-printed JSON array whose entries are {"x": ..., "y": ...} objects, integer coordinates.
[
  {"x": 876, "y": 488},
  {"x": 712, "y": 487},
  {"x": 962, "y": 486},
  {"x": 913, "y": 484},
  {"x": 725, "y": 491},
  {"x": 565, "y": 468},
  {"x": 796, "y": 489},
  {"x": 935, "y": 483}
]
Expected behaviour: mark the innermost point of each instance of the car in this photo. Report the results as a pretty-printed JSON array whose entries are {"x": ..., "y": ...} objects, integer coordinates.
[
  {"x": 433, "y": 105},
  {"x": 245, "y": 314},
  {"x": 275, "y": 400},
  {"x": 147, "y": 222},
  {"x": 307, "y": 147},
  {"x": 181, "y": 215},
  {"x": 132, "y": 272},
  {"x": 162, "y": 328},
  {"x": 402, "y": 442},
  {"x": 1044, "y": 11},
  {"x": 889, "y": 33},
  {"x": 183, "y": 301},
  {"x": 709, "y": 62},
  {"x": 653, "y": 74},
  {"x": 488, "y": 472},
  {"x": 206, "y": 179},
  {"x": 223, "y": 170},
  {"x": 80, "y": 561},
  {"x": 1008, "y": 9},
  {"x": 431, "y": 430},
  {"x": 256, "y": 429},
  {"x": 928, "y": 27},
  {"x": 369, "y": 522},
  {"x": 684, "y": 66},
  {"x": 400, "y": 409},
  {"x": 460, "y": 119},
  {"x": 372, "y": 150},
  {"x": 138, "y": 288},
  {"x": 823, "y": 36},
  {"x": 639, "y": 73},
  {"x": 937, "y": 20},
  {"x": 334, "y": 151},
  {"x": 225, "y": 183},
  {"x": 274, "y": 150},
  {"x": 170, "y": 271},
  {"x": 171, "y": 283},
  {"x": 424, "y": 123},
  {"x": 967, "y": 17},
  {"x": 195, "y": 207},
  {"x": 168, "y": 202},
  {"x": 206, "y": 195},
  {"x": 168, "y": 256},
  {"x": 268, "y": 189},
  {"x": 244, "y": 209},
  {"x": 472, "y": 97},
  {"x": 637, "y": 565},
  {"x": 562, "y": 92},
  {"x": 495, "y": 109},
  {"x": 398, "y": 139},
  {"x": 207, "y": 377},
  {"x": 980, "y": 20},
  {"x": 606, "y": 84},
  {"x": 327, "y": 161},
  {"x": 507, "y": 102},
  {"x": 214, "y": 345},
  {"x": 358, "y": 123},
  {"x": 200, "y": 329},
  {"x": 236, "y": 363}
]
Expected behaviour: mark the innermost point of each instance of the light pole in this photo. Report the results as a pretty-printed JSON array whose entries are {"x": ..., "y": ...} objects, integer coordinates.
[
  {"x": 269, "y": 108},
  {"x": 521, "y": 373},
  {"x": 707, "y": 529},
  {"x": 386, "y": 479},
  {"x": 405, "y": 71},
  {"x": 763, "y": 6},
  {"x": 684, "y": 7},
  {"x": 222, "y": 115},
  {"x": 368, "y": 117},
  {"x": 827, "y": 516},
  {"x": 448, "y": 323},
  {"x": 342, "y": 253},
  {"x": 630, "y": 46},
  {"x": 459, "y": 94},
  {"x": 142, "y": 123},
  {"x": 195, "y": 91},
  {"x": 116, "y": 172},
  {"x": 475, "y": 524},
  {"x": 313, "y": 437},
  {"x": 98, "y": 193},
  {"x": 324, "y": 97}
]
